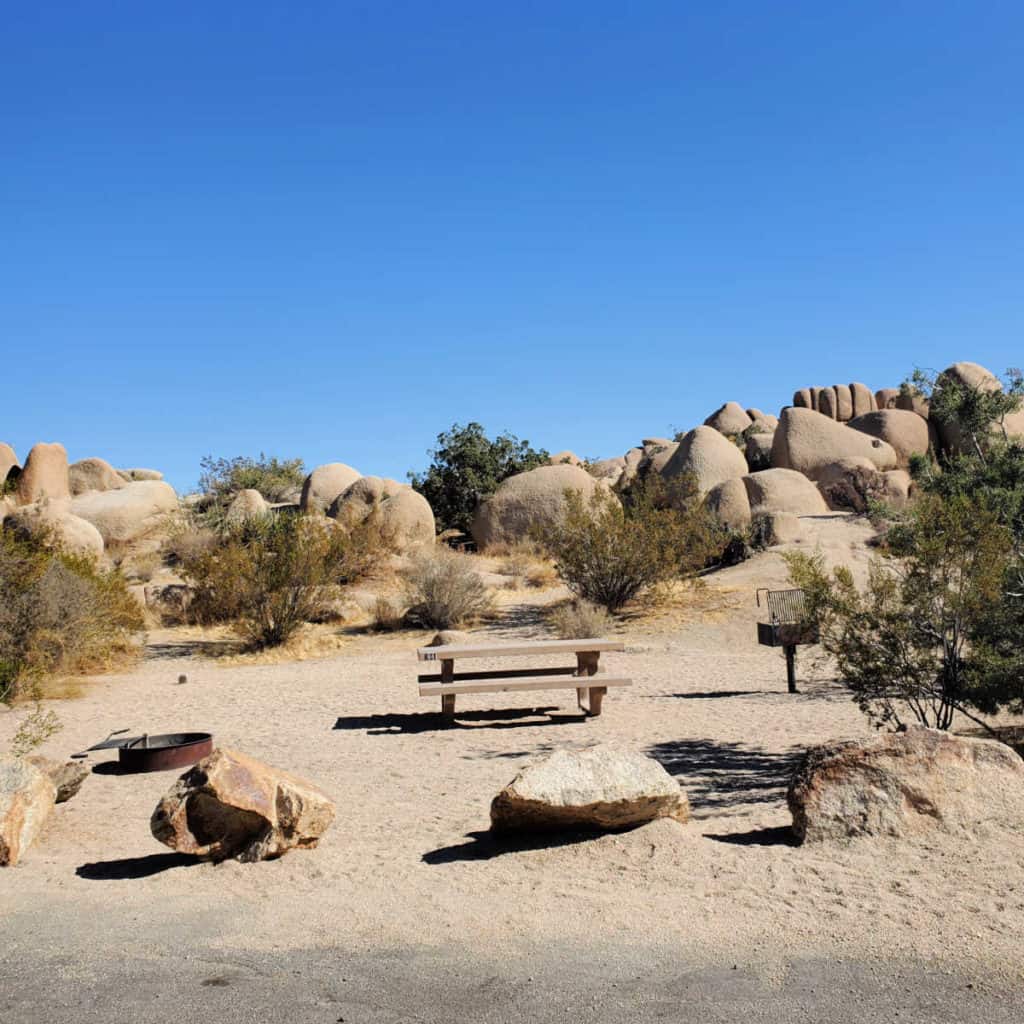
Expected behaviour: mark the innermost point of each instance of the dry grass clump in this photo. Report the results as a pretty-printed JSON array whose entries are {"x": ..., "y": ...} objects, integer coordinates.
[
  {"x": 444, "y": 590},
  {"x": 526, "y": 565},
  {"x": 579, "y": 620},
  {"x": 60, "y": 614},
  {"x": 387, "y": 615}
]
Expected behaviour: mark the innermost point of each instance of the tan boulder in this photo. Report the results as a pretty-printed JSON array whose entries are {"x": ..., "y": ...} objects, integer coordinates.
[
  {"x": 972, "y": 375},
  {"x": 67, "y": 776},
  {"x": 898, "y": 488},
  {"x": 8, "y": 461},
  {"x": 905, "y": 431},
  {"x": 599, "y": 788},
  {"x": 45, "y": 475},
  {"x": 904, "y": 784},
  {"x": 405, "y": 515},
  {"x": 54, "y": 521},
  {"x": 828, "y": 404},
  {"x": 326, "y": 483},
  {"x": 729, "y": 503},
  {"x": 93, "y": 475},
  {"x": 729, "y": 419},
  {"x": 762, "y": 422},
  {"x": 536, "y": 497},
  {"x": 611, "y": 470},
  {"x": 657, "y": 454},
  {"x": 802, "y": 399},
  {"x": 844, "y": 402},
  {"x": 135, "y": 511},
  {"x": 848, "y": 484},
  {"x": 863, "y": 399},
  {"x": 886, "y": 398},
  {"x": 810, "y": 443},
  {"x": 777, "y": 528},
  {"x": 783, "y": 490},
  {"x": 565, "y": 458},
  {"x": 246, "y": 504},
  {"x": 27, "y": 797},
  {"x": 137, "y": 475},
  {"x": 816, "y": 399},
  {"x": 230, "y": 805},
  {"x": 707, "y": 455},
  {"x": 758, "y": 449}
]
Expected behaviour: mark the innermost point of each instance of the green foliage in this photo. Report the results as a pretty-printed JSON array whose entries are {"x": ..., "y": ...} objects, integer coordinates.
[
  {"x": 273, "y": 573},
  {"x": 274, "y": 478},
  {"x": 60, "y": 613},
  {"x": 903, "y": 646},
  {"x": 38, "y": 725},
  {"x": 465, "y": 466},
  {"x": 608, "y": 553},
  {"x": 444, "y": 590}
]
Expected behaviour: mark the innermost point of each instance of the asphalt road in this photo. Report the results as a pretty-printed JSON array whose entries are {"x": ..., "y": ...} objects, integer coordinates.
[{"x": 402, "y": 987}]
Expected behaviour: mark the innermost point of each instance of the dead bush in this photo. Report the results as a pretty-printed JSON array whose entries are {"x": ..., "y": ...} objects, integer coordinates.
[
  {"x": 387, "y": 615},
  {"x": 579, "y": 620},
  {"x": 444, "y": 590}
]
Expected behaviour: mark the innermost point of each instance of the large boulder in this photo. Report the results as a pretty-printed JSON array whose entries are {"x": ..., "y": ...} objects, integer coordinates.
[
  {"x": 324, "y": 484},
  {"x": 802, "y": 399},
  {"x": 729, "y": 503},
  {"x": 828, "y": 404},
  {"x": 611, "y": 470},
  {"x": 45, "y": 475},
  {"x": 887, "y": 398},
  {"x": 809, "y": 443},
  {"x": 844, "y": 402},
  {"x": 66, "y": 776},
  {"x": 54, "y": 522},
  {"x": 137, "y": 474},
  {"x": 972, "y": 376},
  {"x": 783, "y": 490},
  {"x": 565, "y": 457},
  {"x": 729, "y": 419},
  {"x": 93, "y": 475},
  {"x": 246, "y": 504},
  {"x": 600, "y": 788},
  {"x": 8, "y": 461},
  {"x": 27, "y": 796},
  {"x": 862, "y": 398},
  {"x": 905, "y": 431},
  {"x": 135, "y": 511},
  {"x": 848, "y": 485},
  {"x": 710, "y": 457},
  {"x": 533, "y": 498},
  {"x": 657, "y": 451},
  {"x": 230, "y": 805},
  {"x": 405, "y": 515},
  {"x": 905, "y": 783}
]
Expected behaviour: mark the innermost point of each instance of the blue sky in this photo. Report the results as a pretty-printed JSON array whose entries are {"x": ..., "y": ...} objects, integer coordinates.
[{"x": 331, "y": 230}]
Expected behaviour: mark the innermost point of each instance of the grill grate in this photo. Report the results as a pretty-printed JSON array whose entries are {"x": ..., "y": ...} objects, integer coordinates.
[{"x": 784, "y": 606}]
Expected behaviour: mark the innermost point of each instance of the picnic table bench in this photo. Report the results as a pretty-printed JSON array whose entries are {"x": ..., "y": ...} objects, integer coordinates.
[{"x": 447, "y": 683}]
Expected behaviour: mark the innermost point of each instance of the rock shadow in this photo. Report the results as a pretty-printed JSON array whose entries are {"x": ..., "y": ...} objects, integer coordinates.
[
  {"x": 485, "y": 845},
  {"x": 134, "y": 867}
]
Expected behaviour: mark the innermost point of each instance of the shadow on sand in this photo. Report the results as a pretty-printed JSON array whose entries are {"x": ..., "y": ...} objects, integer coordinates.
[
  {"x": 431, "y": 721},
  {"x": 486, "y": 845},
  {"x": 134, "y": 867},
  {"x": 780, "y": 836}
]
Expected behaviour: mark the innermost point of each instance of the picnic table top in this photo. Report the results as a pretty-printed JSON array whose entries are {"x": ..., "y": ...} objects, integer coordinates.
[{"x": 524, "y": 648}]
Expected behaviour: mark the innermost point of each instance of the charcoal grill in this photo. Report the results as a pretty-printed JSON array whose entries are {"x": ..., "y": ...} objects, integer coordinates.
[{"x": 787, "y": 626}]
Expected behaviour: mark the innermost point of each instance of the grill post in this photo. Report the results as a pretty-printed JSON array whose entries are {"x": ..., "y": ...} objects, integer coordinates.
[{"x": 791, "y": 667}]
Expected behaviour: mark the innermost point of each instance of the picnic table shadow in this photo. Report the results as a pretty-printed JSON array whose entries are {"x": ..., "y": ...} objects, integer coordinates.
[{"x": 395, "y": 724}]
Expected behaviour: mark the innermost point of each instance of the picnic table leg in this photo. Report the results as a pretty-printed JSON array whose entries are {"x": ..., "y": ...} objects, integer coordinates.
[
  {"x": 447, "y": 699},
  {"x": 588, "y": 664}
]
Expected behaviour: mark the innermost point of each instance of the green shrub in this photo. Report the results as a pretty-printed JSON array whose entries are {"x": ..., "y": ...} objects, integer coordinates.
[
  {"x": 270, "y": 575},
  {"x": 274, "y": 478},
  {"x": 444, "y": 590},
  {"x": 608, "y": 553},
  {"x": 466, "y": 466},
  {"x": 60, "y": 614}
]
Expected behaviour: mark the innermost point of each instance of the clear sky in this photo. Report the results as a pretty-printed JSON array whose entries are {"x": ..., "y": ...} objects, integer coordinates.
[{"x": 332, "y": 229}]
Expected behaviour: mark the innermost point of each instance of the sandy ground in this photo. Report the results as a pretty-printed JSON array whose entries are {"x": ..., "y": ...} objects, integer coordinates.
[{"x": 409, "y": 864}]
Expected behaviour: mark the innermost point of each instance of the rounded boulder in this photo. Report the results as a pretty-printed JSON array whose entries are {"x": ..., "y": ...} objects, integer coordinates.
[
  {"x": 809, "y": 443},
  {"x": 93, "y": 475},
  {"x": 729, "y": 419},
  {"x": 405, "y": 515},
  {"x": 905, "y": 431},
  {"x": 707, "y": 455},
  {"x": 126, "y": 515},
  {"x": 783, "y": 490},
  {"x": 326, "y": 483},
  {"x": 45, "y": 475}
]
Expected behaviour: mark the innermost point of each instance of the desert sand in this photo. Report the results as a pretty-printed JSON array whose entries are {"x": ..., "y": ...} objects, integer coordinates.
[{"x": 408, "y": 863}]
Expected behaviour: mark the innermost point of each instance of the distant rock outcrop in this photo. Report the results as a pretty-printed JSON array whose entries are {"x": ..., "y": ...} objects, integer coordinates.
[{"x": 809, "y": 442}]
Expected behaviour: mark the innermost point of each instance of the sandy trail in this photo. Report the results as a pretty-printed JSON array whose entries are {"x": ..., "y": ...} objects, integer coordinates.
[{"x": 408, "y": 862}]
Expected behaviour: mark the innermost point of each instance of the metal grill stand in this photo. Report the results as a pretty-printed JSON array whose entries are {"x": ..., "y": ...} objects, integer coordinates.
[{"x": 786, "y": 628}]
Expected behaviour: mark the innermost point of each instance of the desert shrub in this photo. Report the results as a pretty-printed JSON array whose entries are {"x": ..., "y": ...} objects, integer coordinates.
[
  {"x": 579, "y": 620},
  {"x": 368, "y": 544},
  {"x": 859, "y": 490},
  {"x": 903, "y": 645},
  {"x": 270, "y": 575},
  {"x": 467, "y": 465},
  {"x": 60, "y": 614},
  {"x": 444, "y": 590},
  {"x": 608, "y": 553},
  {"x": 187, "y": 542},
  {"x": 274, "y": 478},
  {"x": 387, "y": 615}
]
